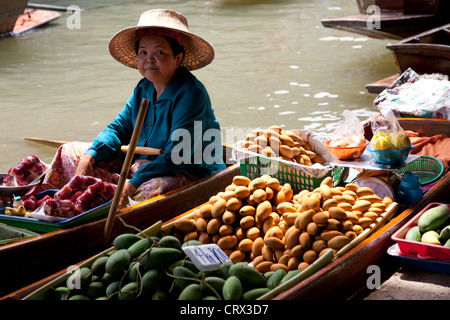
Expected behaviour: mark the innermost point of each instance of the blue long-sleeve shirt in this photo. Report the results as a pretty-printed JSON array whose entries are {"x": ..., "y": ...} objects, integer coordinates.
[{"x": 181, "y": 122}]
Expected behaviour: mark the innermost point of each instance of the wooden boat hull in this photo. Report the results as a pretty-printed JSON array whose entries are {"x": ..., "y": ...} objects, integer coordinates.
[
  {"x": 32, "y": 19},
  {"x": 397, "y": 19},
  {"x": 378, "y": 86},
  {"x": 9, "y": 12},
  {"x": 427, "y": 52},
  {"x": 35, "y": 258}
]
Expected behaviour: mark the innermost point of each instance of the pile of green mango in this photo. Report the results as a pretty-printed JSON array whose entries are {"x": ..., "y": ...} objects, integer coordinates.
[
  {"x": 432, "y": 227},
  {"x": 156, "y": 268}
]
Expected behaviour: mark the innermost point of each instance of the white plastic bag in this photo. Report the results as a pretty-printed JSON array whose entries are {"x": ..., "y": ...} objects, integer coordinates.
[{"x": 350, "y": 133}]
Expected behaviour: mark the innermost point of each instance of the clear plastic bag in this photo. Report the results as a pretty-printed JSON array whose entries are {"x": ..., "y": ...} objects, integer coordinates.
[
  {"x": 388, "y": 135},
  {"x": 350, "y": 133}
]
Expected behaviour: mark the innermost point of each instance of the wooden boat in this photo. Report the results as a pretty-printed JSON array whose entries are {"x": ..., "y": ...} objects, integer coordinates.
[
  {"x": 9, "y": 13},
  {"x": 378, "y": 86},
  {"x": 395, "y": 20},
  {"x": 426, "y": 52},
  {"x": 37, "y": 257},
  {"x": 32, "y": 19},
  {"x": 346, "y": 276}
]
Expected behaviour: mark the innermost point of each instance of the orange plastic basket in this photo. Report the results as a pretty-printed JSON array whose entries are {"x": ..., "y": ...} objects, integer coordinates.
[{"x": 346, "y": 153}]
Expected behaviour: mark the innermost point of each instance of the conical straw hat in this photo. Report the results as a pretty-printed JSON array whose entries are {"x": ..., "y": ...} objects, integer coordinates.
[{"x": 198, "y": 52}]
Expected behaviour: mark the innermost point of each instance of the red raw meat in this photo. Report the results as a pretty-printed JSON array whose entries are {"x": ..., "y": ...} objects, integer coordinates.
[
  {"x": 97, "y": 187},
  {"x": 108, "y": 191},
  {"x": 90, "y": 180},
  {"x": 25, "y": 164},
  {"x": 64, "y": 193},
  {"x": 28, "y": 170},
  {"x": 84, "y": 201},
  {"x": 30, "y": 203},
  {"x": 80, "y": 194},
  {"x": 51, "y": 207},
  {"x": 65, "y": 212},
  {"x": 41, "y": 201},
  {"x": 97, "y": 202},
  {"x": 76, "y": 183},
  {"x": 75, "y": 196},
  {"x": 66, "y": 203}
]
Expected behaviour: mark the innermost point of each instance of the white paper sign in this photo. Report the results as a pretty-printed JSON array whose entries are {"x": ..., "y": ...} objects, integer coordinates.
[{"x": 207, "y": 256}]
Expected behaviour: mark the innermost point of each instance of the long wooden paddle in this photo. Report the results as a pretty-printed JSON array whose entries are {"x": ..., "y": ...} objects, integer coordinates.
[
  {"x": 124, "y": 149},
  {"x": 124, "y": 173}
]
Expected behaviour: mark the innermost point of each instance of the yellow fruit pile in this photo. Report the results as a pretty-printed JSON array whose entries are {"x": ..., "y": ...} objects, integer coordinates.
[
  {"x": 264, "y": 222},
  {"x": 391, "y": 141},
  {"x": 283, "y": 144}
]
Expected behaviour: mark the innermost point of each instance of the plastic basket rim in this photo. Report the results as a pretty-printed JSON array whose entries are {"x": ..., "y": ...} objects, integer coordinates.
[
  {"x": 439, "y": 174},
  {"x": 347, "y": 148},
  {"x": 389, "y": 152}
]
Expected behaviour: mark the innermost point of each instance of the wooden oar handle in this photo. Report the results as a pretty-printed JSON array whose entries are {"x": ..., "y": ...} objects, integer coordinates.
[
  {"x": 143, "y": 150},
  {"x": 124, "y": 149},
  {"x": 124, "y": 172}
]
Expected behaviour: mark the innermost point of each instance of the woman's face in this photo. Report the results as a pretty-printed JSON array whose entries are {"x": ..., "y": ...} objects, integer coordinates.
[{"x": 156, "y": 61}]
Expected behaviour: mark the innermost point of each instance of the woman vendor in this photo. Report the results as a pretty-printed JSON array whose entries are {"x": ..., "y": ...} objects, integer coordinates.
[{"x": 164, "y": 51}]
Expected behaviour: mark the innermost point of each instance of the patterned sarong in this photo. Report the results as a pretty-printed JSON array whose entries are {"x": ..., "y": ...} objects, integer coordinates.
[{"x": 65, "y": 163}]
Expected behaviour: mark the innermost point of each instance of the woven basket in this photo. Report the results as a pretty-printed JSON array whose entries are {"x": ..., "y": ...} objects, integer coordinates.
[
  {"x": 257, "y": 166},
  {"x": 428, "y": 169}
]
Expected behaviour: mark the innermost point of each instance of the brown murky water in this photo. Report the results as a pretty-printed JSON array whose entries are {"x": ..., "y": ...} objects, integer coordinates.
[{"x": 275, "y": 64}]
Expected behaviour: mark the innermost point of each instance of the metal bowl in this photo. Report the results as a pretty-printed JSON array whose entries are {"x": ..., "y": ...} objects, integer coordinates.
[{"x": 10, "y": 191}]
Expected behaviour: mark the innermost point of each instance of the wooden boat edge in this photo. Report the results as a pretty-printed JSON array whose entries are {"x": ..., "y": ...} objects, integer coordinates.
[
  {"x": 354, "y": 262},
  {"x": 422, "y": 34}
]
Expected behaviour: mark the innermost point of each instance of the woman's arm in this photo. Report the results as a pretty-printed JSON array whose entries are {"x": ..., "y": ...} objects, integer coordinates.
[
  {"x": 193, "y": 105},
  {"x": 84, "y": 167}
]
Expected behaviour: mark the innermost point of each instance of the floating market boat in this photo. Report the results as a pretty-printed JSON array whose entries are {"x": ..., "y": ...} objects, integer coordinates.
[
  {"x": 393, "y": 19},
  {"x": 33, "y": 18},
  {"x": 9, "y": 13},
  {"x": 340, "y": 276},
  {"x": 36, "y": 257},
  {"x": 18, "y": 17},
  {"x": 346, "y": 277},
  {"x": 426, "y": 52}
]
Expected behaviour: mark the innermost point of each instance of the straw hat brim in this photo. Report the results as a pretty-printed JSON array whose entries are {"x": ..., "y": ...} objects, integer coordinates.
[{"x": 198, "y": 52}]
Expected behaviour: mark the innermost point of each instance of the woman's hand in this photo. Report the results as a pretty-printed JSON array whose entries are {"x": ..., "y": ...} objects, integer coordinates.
[
  {"x": 84, "y": 167},
  {"x": 128, "y": 191}
]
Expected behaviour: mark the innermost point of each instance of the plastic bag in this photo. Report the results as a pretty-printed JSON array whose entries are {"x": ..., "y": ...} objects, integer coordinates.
[
  {"x": 27, "y": 172},
  {"x": 350, "y": 133},
  {"x": 388, "y": 135},
  {"x": 414, "y": 95}
]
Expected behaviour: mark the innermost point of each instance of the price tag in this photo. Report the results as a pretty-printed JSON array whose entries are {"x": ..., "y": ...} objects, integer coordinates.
[{"x": 207, "y": 256}]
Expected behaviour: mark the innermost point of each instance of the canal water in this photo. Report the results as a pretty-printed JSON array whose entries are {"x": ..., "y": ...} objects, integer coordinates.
[{"x": 275, "y": 64}]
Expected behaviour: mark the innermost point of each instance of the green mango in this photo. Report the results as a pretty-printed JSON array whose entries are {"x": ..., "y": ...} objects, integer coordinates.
[
  {"x": 445, "y": 234},
  {"x": 434, "y": 218},
  {"x": 413, "y": 234},
  {"x": 431, "y": 237}
]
